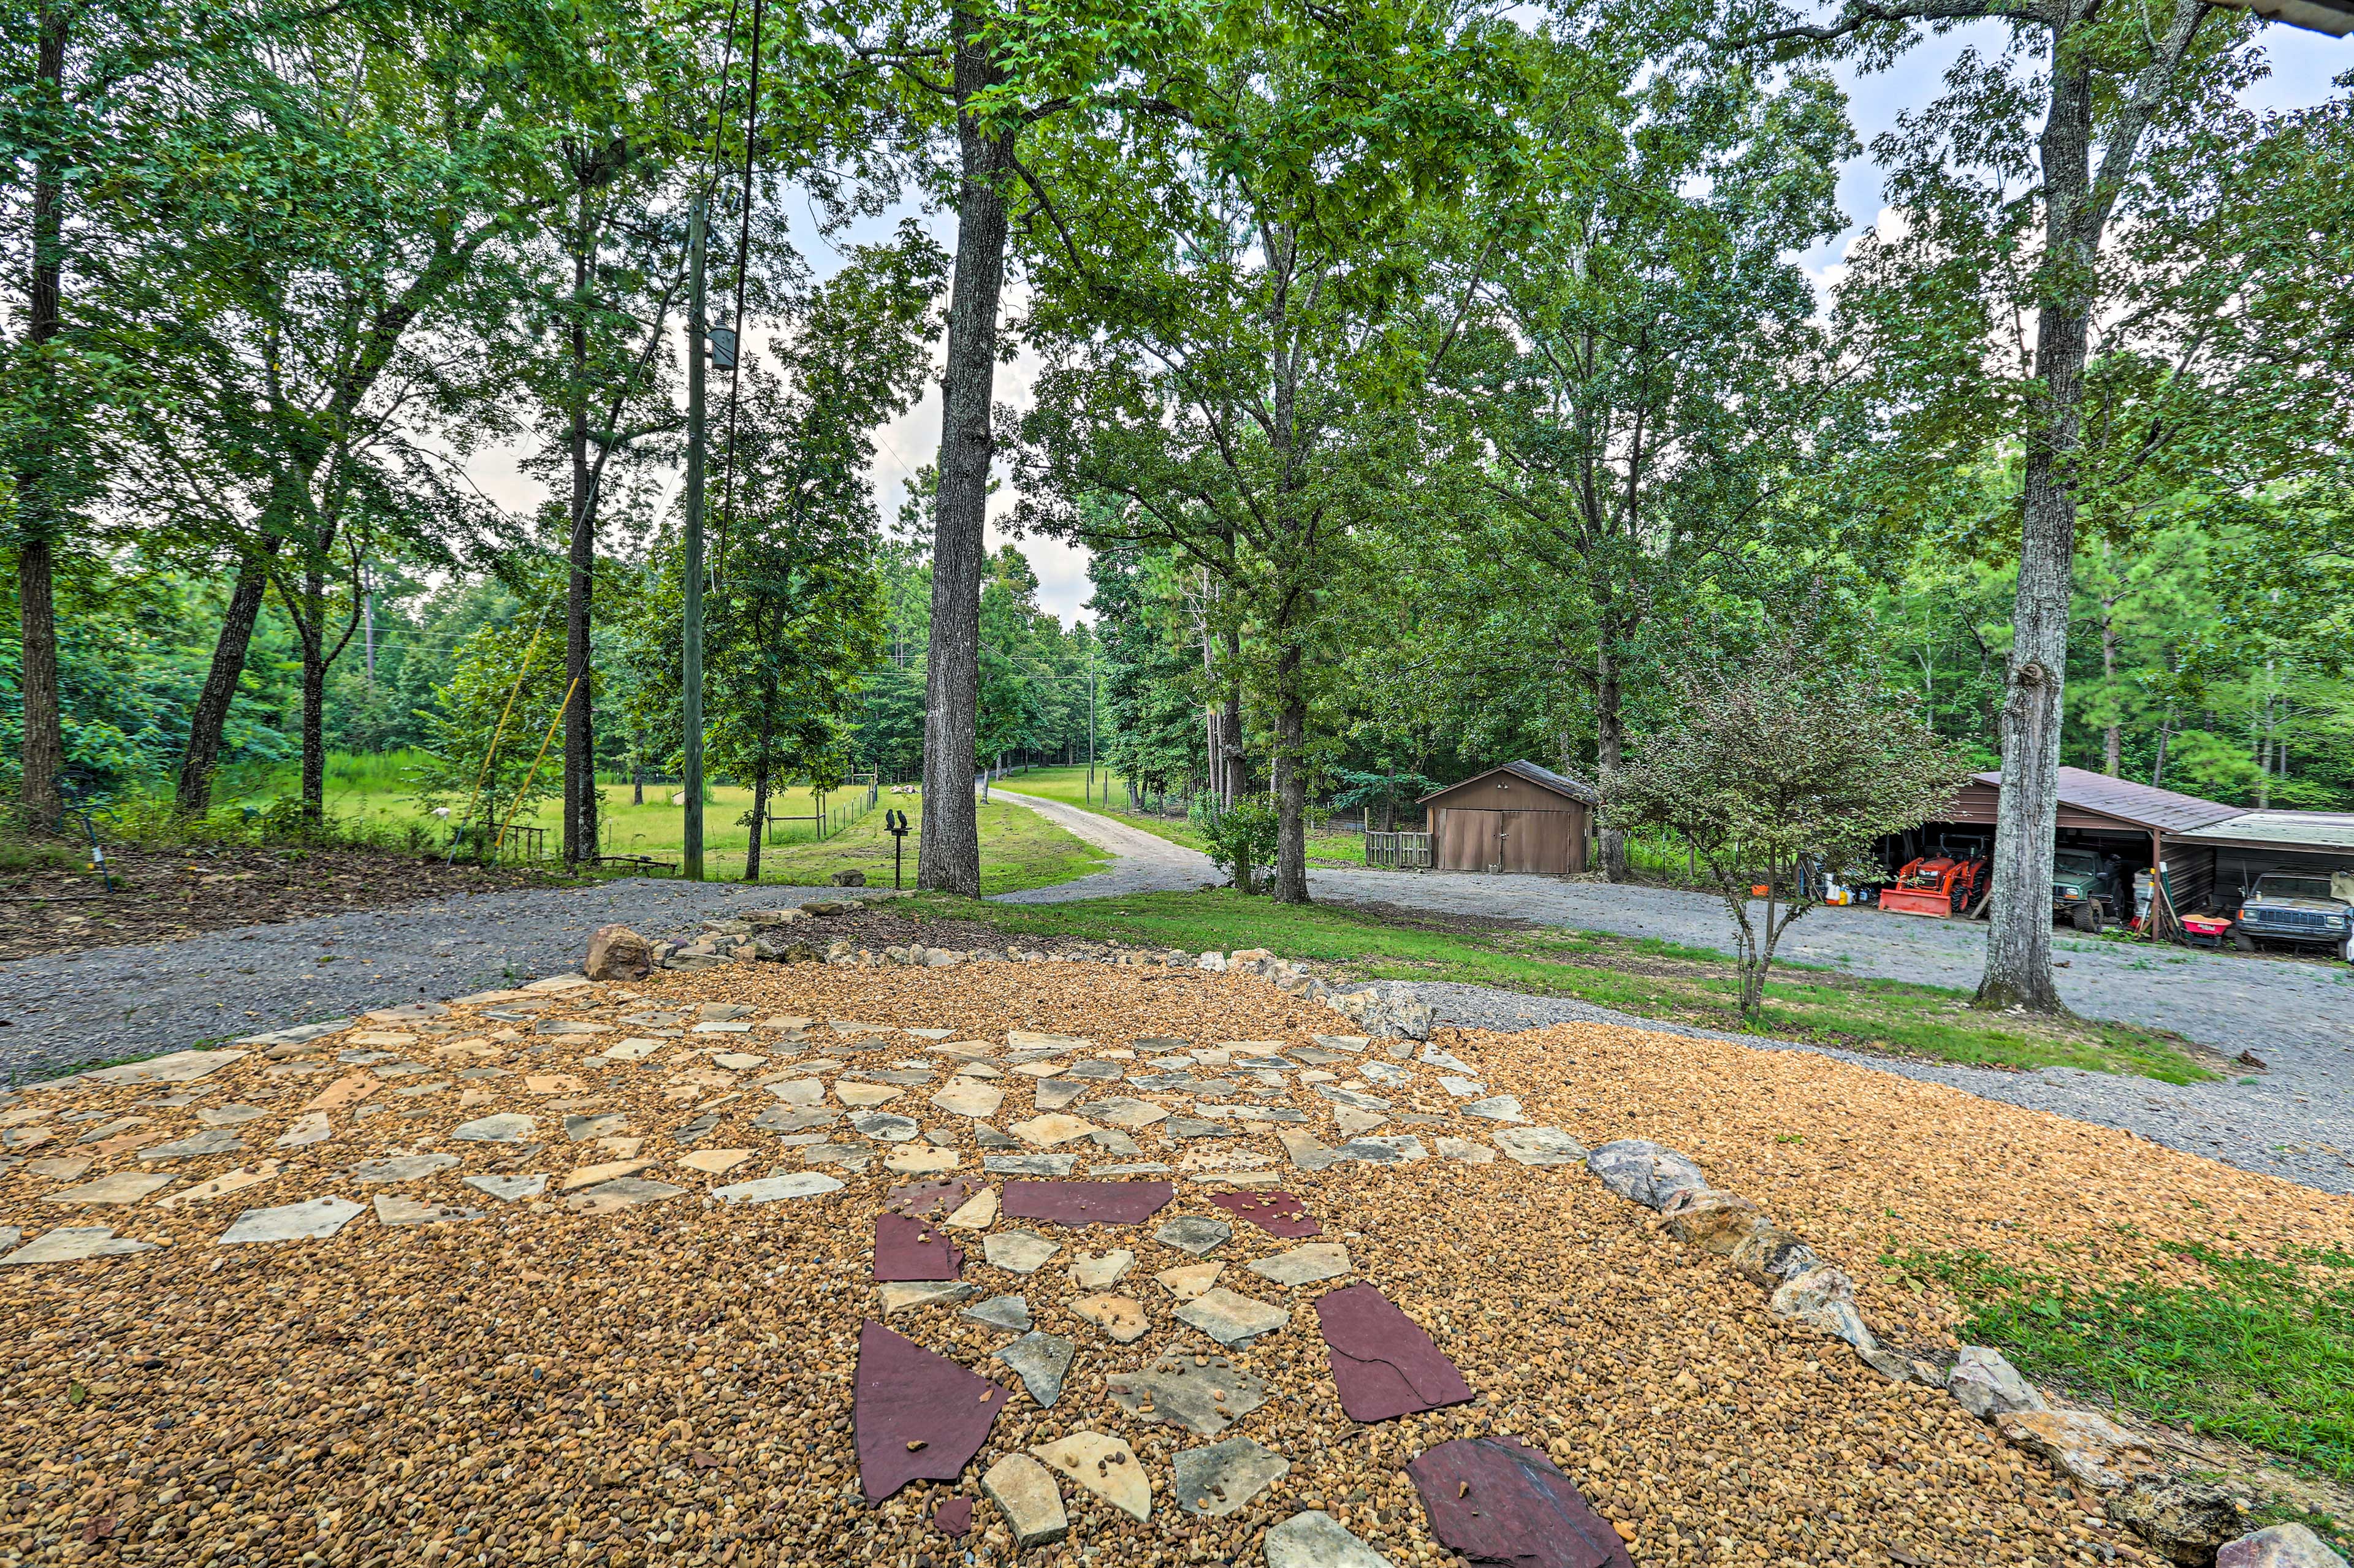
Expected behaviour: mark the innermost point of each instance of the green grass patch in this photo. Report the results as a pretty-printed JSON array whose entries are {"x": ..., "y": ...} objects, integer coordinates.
[
  {"x": 1019, "y": 848},
  {"x": 2262, "y": 1351},
  {"x": 1069, "y": 785},
  {"x": 1635, "y": 975}
]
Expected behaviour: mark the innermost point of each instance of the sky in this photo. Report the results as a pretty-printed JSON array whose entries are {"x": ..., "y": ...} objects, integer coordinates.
[{"x": 2302, "y": 64}]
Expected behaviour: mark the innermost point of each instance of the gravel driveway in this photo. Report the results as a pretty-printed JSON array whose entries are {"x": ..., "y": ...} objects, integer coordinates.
[
  {"x": 108, "y": 1002},
  {"x": 2297, "y": 1119}
]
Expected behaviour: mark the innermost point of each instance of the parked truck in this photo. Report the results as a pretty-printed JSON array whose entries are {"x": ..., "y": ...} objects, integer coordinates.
[{"x": 2297, "y": 908}]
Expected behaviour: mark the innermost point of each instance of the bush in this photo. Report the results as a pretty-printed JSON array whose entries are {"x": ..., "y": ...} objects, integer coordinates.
[{"x": 1240, "y": 838}]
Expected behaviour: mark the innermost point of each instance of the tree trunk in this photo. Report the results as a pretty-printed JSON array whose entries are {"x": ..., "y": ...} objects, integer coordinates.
[
  {"x": 2113, "y": 739},
  {"x": 949, "y": 858},
  {"x": 2019, "y": 937},
  {"x": 637, "y": 770},
  {"x": 579, "y": 724},
  {"x": 1290, "y": 781},
  {"x": 1235, "y": 783},
  {"x": 759, "y": 821},
  {"x": 194, "y": 795},
  {"x": 1610, "y": 746},
  {"x": 39, "y": 505},
  {"x": 314, "y": 699}
]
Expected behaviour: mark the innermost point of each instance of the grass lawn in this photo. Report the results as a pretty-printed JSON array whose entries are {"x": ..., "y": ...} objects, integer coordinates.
[
  {"x": 1019, "y": 848},
  {"x": 1649, "y": 979},
  {"x": 1069, "y": 785}
]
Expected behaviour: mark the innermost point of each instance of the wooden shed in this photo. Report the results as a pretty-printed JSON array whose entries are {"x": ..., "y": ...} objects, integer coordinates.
[{"x": 1519, "y": 817}]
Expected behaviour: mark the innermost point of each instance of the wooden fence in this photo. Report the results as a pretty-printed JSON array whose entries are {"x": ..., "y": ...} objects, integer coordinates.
[{"x": 1407, "y": 851}]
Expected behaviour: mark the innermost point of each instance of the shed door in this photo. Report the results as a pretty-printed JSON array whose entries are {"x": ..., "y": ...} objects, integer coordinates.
[
  {"x": 1538, "y": 841},
  {"x": 1467, "y": 839}
]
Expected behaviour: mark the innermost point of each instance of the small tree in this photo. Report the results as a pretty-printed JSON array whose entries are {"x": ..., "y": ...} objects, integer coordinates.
[{"x": 1788, "y": 759}]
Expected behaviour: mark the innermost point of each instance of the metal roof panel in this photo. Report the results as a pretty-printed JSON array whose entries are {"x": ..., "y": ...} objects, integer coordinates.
[{"x": 2161, "y": 811}]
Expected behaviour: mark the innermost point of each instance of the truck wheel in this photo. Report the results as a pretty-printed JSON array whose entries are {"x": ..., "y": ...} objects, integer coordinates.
[
  {"x": 2085, "y": 916},
  {"x": 2243, "y": 941}
]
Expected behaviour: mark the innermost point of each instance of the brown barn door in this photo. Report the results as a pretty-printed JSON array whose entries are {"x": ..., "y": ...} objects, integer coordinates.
[
  {"x": 1537, "y": 840},
  {"x": 1467, "y": 839}
]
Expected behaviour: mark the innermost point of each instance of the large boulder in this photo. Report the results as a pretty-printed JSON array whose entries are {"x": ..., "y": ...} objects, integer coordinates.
[
  {"x": 618, "y": 953},
  {"x": 1770, "y": 1256},
  {"x": 1987, "y": 1385},
  {"x": 1645, "y": 1172},
  {"x": 2088, "y": 1448},
  {"x": 1399, "y": 1014},
  {"x": 848, "y": 879},
  {"x": 2187, "y": 1519},
  {"x": 1714, "y": 1222},
  {"x": 2282, "y": 1546},
  {"x": 1824, "y": 1299}
]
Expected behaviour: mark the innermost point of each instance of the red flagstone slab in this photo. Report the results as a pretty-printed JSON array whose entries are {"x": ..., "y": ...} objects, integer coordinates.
[
  {"x": 953, "y": 1517},
  {"x": 934, "y": 1199},
  {"x": 914, "y": 1249},
  {"x": 1086, "y": 1203},
  {"x": 1277, "y": 1214},
  {"x": 906, "y": 1394},
  {"x": 1498, "y": 1503},
  {"x": 1383, "y": 1362}
]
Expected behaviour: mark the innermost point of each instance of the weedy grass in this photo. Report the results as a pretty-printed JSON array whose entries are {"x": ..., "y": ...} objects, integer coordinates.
[
  {"x": 1646, "y": 978},
  {"x": 2262, "y": 1350}
]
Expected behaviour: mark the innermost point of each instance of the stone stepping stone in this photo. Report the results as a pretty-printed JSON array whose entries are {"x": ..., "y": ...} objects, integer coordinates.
[
  {"x": 969, "y": 1097},
  {"x": 624, "y": 1192},
  {"x": 505, "y": 1128},
  {"x": 632, "y": 1050},
  {"x": 1352, "y": 1044},
  {"x": 1314, "y": 1539},
  {"x": 1306, "y": 1151},
  {"x": 1104, "y": 1466},
  {"x": 605, "y": 1171},
  {"x": 71, "y": 1244},
  {"x": 979, "y": 1213},
  {"x": 314, "y": 1221},
  {"x": 1432, "y": 1056},
  {"x": 1092, "y": 1271},
  {"x": 1468, "y": 1152},
  {"x": 65, "y": 1167},
  {"x": 1101, "y": 1071},
  {"x": 1019, "y": 1251},
  {"x": 1002, "y": 1312},
  {"x": 914, "y": 1077},
  {"x": 883, "y": 1127},
  {"x": 1277, "y": 1214},
  {"x": 715, "y": 1162},
  {"x": 1354, "y": 1099},
  {"x": 1111, "y": 1140},
  {"x": 1196, "y": 1233},
  {"x": 1029, "y": 1164},
  {"x": 219, "y": 1141},
  {"x": 1132, "y": 1114},
  {"x": 230, "y": 1115},
  {"x": 1054, "y": 1094},
  {"x": 1159, "y": 1044},
  {"x": 222, "y": 1186},
  {"x": 1042, "y": 1361},
  {"x": 1024, "y": 1493},
  {"x": 920, "y": 1159},
  {"x": 1038, "y": 1040},
  {"x": 1196, "y": 1126},
  {"x": 1229, "y": 1319},
  {"x": 980, "y": 1070},
  {"x": 723, "y": 1012},
  {"x": 1204, "y": 1399},
  {"x": 907, "y": 1248},
  {"x": 701, "y": 1127},
  {"x": 392, "y": 1210},
  {"x": 931, "y": 1199},
  {"x": 865, "y": 1095},
  {"x": 1189, "y": 1280},
  {"x": 802, "y": 1094},
  {"x": 1396, "y": 1148},
  {"x": 1046, "y": 1131},
  {"x": 1354, "y": 1123},
  {"x": 1384, "y": 1074},
  {"x": 587, "y": 1129},
  {"x": 777, "y": 1188},
  {"x": 1642, "y": 1171},
  {"x": 1086, "y": 1202},
  {"x": 1463, "y": 1088},
  {"x": 1495, "y": 1107},
  {"x": 1304, "y": 1264},
  {"x": 1540, "y": 1146},
  {"x": 511, "y": 1189},
  {"x": 1121, "y": 1317},
  {"x": 1161, "y": 1082},
  {"x": 917, "y": 1415},
  {"x": 1383, "y": 1361},
  {"x": 400, "y": 1069},
  {"x": 177, "y": 1068},
  {"x": 120, "y": 1187},
  {"x": 1136, "y": 1168},
  {"x": 403, "y": 1167},
  {"x": 783, "y": 1119},
  {"x": 1226, "y": 1476},
  {"x": 850, "y": 1157},
  {"x": 1493, "y": 1499},
  {"x": 903, "y": 1295}
]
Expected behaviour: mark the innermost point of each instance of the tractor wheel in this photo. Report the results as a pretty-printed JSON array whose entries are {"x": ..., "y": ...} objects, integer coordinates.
[
  {"x": 2243, "y": 941},
  {"x": 2085, "y": 916}
]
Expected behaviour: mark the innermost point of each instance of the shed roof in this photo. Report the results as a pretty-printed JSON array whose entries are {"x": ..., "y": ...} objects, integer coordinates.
[
  {"x": 2160, "y": 811},
  {"x": 1561, "y": 784},
  {"x": 2318, "y": 832}
]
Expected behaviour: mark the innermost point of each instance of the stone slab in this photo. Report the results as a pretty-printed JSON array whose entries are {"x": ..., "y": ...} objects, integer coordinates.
[
  {"x": 1086, "y": 1203},
  {"x": 1306, "y": 1265},
  {"x": 1040, "y": 1359},
  {"x": 1495, "y": 1500},
  {"x": 1172, "y": 1391},
  {"x": 916, "y": 1415},
  {"x": 910, "y": 1248},
  {"x": 1540, "y": 1146},
  {"x": 1314, "y": 1539},
  {"x": 1277, "y": 1214},
  {"x": 1121, "y": 1317},
  {"x": 313, "y": 1221},
  {"x": 1230, "y": 1319},
  {"x": 1226, "y": 1478},
  {"x": 1019, "y": 1251},
  {"x": 1002, "y": 1312},
  {"x": 1383, "y": 1361},
  {"x": 1103, "y": 1464},
  {"x": 777, "y": 1188}
]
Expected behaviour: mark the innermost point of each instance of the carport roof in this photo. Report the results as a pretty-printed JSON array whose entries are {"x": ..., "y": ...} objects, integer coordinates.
[
  {"x": 1542, "y": 778},
  {"x": 2312, "y": 831},
  {"x": 2138, "y": 805}
]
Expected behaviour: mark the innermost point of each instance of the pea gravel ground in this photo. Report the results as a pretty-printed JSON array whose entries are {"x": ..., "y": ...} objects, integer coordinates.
[{"x": 670, "y": 1381}]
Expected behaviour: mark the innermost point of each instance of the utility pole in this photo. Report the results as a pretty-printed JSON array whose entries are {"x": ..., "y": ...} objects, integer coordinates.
[
  {"x": 1091, "y": 721},
  {"x": 367, "y": 617},
  {"x": 691, "y": 664}
]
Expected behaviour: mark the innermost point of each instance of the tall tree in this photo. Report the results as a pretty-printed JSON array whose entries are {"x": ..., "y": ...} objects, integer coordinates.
[{"x": 2011, "y": 184}]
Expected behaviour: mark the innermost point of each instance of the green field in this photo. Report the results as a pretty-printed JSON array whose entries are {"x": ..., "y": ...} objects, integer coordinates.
[{"x": 1069, "y": 785}]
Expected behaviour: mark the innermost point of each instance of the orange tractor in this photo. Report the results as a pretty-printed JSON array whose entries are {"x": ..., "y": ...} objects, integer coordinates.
[{"x": 1939, "y": 885}]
